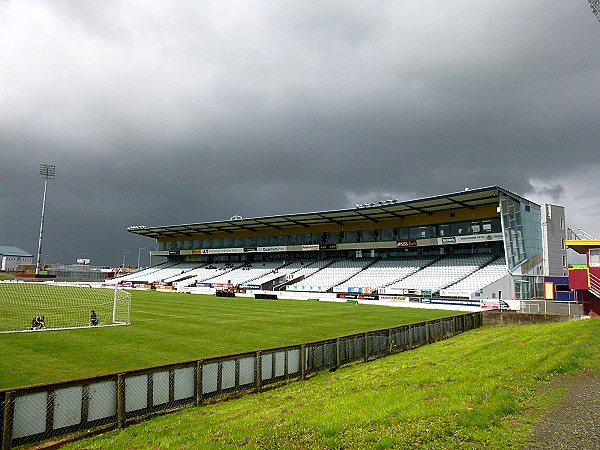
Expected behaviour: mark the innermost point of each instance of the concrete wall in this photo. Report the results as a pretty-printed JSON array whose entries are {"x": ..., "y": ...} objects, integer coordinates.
[{"x": 492, "y": 318}]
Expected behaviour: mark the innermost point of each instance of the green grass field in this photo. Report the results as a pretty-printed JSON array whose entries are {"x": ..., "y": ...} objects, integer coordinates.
[
  {"x": 481, "y": 389},
  {"x": 169, "y": 327}
]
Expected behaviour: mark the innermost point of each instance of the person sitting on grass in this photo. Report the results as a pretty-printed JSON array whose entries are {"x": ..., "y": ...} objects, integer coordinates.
[
  {"x": 93, "y": 318},
  {"x": 38, "y": 323}
]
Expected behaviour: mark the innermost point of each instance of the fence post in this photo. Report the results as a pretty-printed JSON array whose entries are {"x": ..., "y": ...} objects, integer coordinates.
[
  {"x": 121, "y": 400},
  {"x": 258, "y": 379},
  {"x": 7, "y": 426},
  {"x": 149, "y": 392},
  {"x": 337, "y": 353},
  {"x": 199, "y": 366},
  {"x": 366, "y": 347},
  {"x": 426, "y": 331},
  {"x": 302, "y": 362}
]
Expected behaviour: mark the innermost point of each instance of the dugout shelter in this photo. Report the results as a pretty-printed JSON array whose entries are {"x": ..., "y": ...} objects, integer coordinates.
[{"x": 481, "y": 227}]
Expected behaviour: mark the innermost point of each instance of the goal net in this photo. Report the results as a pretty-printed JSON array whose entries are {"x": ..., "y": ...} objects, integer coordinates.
[{"x": 51, "y": 306}]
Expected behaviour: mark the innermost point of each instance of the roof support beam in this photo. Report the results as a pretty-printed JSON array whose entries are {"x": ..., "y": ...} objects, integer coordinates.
[
  {"x": 296, "y": 222},
  {"x": 267, "y": 224},
  {"x": 422, "y": 211},
  {"x": 331, "y": 220}
]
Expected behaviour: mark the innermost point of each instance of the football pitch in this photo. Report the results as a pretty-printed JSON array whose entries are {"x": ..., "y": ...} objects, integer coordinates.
[{"x": 168, "y": 328}]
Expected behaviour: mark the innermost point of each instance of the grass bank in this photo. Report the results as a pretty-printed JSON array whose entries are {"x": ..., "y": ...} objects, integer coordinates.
[{"x": 481, "y": 389}]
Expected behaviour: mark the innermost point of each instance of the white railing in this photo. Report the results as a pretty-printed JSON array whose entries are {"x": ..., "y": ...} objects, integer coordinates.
[{"x": 594, "y": 285}]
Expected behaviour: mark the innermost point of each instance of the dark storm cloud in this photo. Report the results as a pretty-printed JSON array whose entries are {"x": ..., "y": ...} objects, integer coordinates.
[{"x": 161, "y": 113}]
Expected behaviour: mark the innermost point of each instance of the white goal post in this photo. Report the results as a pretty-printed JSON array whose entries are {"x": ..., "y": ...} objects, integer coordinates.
[{"x": 36, "y": 306}]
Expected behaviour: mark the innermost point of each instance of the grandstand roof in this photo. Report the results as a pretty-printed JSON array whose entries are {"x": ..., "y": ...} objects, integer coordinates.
[{"x": 388, "y": 209}]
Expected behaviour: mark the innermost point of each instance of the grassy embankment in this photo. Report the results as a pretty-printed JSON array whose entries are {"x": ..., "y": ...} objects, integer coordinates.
[{"x": 481, "y": 389}]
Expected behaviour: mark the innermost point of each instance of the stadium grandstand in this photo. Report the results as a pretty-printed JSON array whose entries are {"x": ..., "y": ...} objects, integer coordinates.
[{"x": 477, "y": 243}]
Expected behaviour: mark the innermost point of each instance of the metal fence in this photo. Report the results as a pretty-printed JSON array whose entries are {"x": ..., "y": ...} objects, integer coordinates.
[
  {"x": 551, "y": 307},
  {"x": 37, "y": 413}
]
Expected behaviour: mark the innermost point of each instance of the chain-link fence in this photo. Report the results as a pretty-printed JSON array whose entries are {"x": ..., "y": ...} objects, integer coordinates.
[{"x": 45, "y": 412}]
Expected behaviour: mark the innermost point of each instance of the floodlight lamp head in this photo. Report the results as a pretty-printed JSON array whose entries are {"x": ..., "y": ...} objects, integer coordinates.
[
  {"x": 595, "y": 5},
  {"x": 47, "y": 171}
]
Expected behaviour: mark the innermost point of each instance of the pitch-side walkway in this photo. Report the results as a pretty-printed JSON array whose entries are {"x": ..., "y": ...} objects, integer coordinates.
[{"x": 574, "y": 423}]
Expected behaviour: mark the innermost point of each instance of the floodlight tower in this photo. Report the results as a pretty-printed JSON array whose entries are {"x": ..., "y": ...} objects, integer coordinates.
[
  {"x": 47, "y": 172},
  {"x": 595, "y": 5}
]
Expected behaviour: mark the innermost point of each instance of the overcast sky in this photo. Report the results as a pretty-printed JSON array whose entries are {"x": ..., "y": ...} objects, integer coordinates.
[{"x": 168, "y": 112}]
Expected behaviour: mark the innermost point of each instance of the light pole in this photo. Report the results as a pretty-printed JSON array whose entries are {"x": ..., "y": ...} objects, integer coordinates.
[
  {"x": 45, "y": 256},
  {"x": 139, "y": 254},
  {"x": 124, "y": 253},
  {"x": 47, "y": 171}
]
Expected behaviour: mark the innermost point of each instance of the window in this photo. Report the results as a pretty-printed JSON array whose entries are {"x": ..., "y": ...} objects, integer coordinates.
[
  {"x": 401, "y": 233},
  {"x": 460, "y": 228},
  {"x": 387, "y": 234},
  {"x": 421, "y": 232},
  {"x": 444, "y": 230},
  {"x": 595, "y": 257},
  {"x": 562, "y": 223},
  {"x": 333, "y": 237}
]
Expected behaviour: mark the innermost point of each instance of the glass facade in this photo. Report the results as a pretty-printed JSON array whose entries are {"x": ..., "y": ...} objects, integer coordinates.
[
  {"x": 490, "y": 225},
  {"x": 521, "y": 223}
]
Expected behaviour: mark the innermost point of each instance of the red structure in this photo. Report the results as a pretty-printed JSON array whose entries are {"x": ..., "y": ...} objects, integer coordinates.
[{"x": 585, "y": 279}]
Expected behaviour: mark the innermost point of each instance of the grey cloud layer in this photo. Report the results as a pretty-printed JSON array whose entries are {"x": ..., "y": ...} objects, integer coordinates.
[{"x": 160, "y": 112}]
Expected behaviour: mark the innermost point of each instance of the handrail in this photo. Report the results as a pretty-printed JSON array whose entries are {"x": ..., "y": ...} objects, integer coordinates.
[{"x": 594, "y": 284}]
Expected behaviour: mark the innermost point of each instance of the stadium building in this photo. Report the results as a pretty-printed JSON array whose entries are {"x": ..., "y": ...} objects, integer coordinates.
[
  {"x": 485, "y": 243},
  {"x": 13, "y": 257}
]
